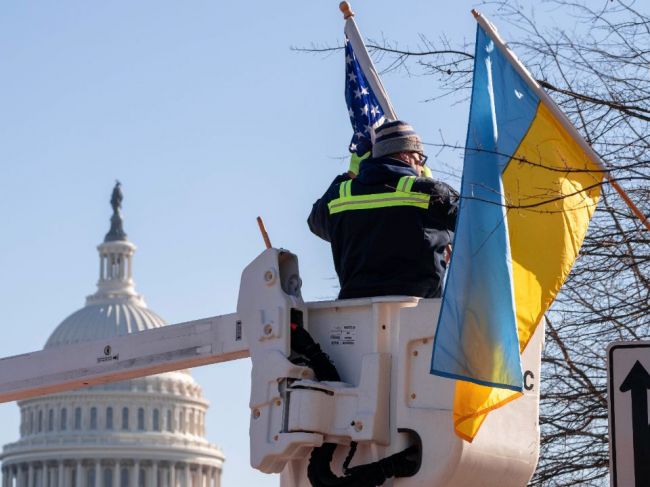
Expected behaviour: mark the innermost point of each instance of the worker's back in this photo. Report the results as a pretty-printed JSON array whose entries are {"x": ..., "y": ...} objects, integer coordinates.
[{"x": 388, "y": 230}]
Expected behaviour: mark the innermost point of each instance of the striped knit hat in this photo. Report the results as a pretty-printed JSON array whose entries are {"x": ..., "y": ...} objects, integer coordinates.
[{"x": 395, "y": 136}]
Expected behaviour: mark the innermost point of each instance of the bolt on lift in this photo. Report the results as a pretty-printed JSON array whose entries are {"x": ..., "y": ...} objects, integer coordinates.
[{"x": 349, "y": 431}]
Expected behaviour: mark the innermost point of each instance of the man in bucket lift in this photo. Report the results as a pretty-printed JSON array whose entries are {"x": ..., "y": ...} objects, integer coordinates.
[
  {"x": 389, "y": 228},
  {"x": 390, "y": 231}
]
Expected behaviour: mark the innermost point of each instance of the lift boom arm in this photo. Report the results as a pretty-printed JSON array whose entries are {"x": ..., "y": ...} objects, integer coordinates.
[{"x": 200, "y": 342}]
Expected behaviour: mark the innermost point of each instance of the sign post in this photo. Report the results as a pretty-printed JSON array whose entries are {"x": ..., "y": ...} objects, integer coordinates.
[{"x": 629, "y": 432}]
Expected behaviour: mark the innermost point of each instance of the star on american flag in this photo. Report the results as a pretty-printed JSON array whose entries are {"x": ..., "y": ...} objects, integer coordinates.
[{"x": 363, "y": 107}]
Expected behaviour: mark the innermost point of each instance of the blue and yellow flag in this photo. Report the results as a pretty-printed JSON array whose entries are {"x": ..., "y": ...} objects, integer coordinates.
[{"x": 527, "y": 195}]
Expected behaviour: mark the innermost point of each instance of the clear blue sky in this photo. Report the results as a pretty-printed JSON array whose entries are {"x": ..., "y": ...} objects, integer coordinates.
[{"x": 208, "y": 119}]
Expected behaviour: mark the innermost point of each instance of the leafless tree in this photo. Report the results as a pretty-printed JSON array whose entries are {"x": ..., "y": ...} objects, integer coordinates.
[
  {"x": 600, "y": 75},
  {"x": 598, "y": 72}
]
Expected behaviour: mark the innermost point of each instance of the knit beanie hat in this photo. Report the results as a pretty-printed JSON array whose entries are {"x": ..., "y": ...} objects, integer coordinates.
[{"x": 395, "y": 136}]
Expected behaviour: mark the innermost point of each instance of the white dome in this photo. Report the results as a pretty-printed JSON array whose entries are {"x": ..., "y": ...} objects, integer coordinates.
[
  {"x": 143, "y": 431},
  {"x": 97, "y": 321}
]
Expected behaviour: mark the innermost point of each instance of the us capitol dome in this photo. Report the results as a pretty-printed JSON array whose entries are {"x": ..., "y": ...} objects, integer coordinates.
[{"x": 145, "y": 432}]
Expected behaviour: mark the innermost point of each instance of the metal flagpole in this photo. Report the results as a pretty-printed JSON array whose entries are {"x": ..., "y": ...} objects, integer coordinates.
[
  {"x": 354, "y": 37},
  {"x": 559, "y": 114}
]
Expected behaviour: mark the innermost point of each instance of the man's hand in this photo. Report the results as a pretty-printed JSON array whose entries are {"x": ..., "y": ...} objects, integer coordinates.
[
  {"x": 355, "y": 162},
  {"x": 448, "y": 253}
]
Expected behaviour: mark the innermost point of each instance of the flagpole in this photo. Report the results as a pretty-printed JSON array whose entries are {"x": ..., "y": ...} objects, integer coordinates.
[
  {"x": 559, "y": 114},
  {"x": 354, "y": 36}
]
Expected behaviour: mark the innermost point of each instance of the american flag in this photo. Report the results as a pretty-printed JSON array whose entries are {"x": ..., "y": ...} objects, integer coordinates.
[{"x": 363, "y": 107}]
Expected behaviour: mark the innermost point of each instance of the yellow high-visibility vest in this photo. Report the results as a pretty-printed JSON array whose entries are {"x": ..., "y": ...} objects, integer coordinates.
[{"x": 402, "y": 196}]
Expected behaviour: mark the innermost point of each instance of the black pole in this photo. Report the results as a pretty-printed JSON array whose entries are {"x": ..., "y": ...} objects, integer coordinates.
[{"x": 638, "y": 382}]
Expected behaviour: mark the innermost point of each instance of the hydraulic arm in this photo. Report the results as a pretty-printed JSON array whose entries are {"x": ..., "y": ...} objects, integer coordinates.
[{"x": 345, "y": 383}]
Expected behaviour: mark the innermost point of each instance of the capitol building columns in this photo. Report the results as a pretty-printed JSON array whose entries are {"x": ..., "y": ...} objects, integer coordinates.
[
  {"x": 61, "y": 474},
  {"x": 119, "y": 472},
  {"x": 116, "y": 474},
  {"x": 105, "y": 473},
  {"x": 113, "y": 473}
]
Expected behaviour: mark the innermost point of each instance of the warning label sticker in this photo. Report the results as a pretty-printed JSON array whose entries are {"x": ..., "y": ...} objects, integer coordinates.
[{"x": 343, "y": 335}]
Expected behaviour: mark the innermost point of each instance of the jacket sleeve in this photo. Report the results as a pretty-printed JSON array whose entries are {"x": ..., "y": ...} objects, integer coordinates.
[
  {"x": 452, "y": 213},
  {"x": 444, "y": 201},
  {"x": 318, "y": 220}
]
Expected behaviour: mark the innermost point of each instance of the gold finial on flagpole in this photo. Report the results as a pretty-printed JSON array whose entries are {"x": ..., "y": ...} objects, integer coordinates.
[
  {"x": 346, "y": 9},
  {"x": 476, "y": 13}
]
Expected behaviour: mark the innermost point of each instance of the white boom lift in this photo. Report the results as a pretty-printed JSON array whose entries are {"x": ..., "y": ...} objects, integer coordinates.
[{"x": 385, "y": 401}]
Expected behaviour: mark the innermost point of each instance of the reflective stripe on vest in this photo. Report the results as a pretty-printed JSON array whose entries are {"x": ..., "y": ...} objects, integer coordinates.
[{"x": 403, "y": 196}]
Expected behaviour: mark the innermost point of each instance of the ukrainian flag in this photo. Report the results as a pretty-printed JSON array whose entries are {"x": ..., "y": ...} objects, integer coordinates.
[{"x": 529, "y": 188}]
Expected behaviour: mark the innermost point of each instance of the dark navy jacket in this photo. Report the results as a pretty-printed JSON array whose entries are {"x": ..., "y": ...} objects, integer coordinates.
[{"x": 389, "y": 250}]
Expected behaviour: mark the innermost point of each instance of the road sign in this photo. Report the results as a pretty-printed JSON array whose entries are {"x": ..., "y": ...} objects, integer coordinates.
[{"x": 629, "y": 432}]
